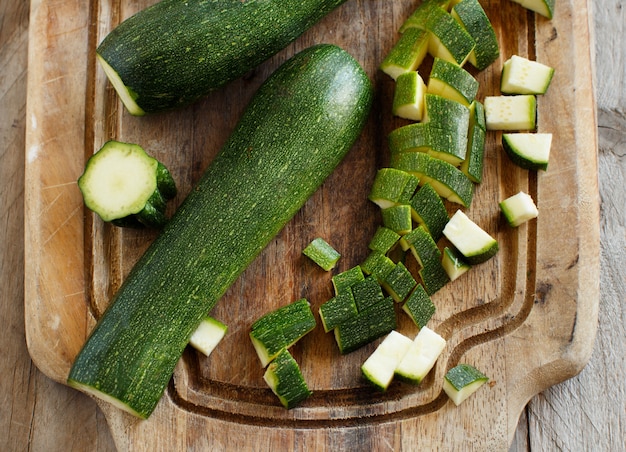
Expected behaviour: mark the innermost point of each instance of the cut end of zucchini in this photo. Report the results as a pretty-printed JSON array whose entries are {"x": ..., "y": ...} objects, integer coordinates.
[
  {"x": 542, "y": 7},
  {"x": 462, "y": 381},
  {"x": 519, "y": 209},
  {"x": 124, "y": 92},
  {"x": 380, "y": 366},
  {"x": 106, "y": 397},
  {"x": 118, "y": 180},
  {"x": 421, "y": 356}
]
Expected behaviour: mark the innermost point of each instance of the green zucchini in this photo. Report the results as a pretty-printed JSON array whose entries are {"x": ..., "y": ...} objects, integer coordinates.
[
  {"x": 285, "y": 379},
  {"x": 462, "y": 381},
  {"x": 175, "y": 52},
  {"x": 380, "y": 366},
  {"x": 419, "y": 306},
  {"x": 125, "y": 186},
  {"x": 322, "y": 253},
  {"x": 208, "y": 334},
  {"x": 518, "y": 209},
  {"x": 297, "y": 128}
]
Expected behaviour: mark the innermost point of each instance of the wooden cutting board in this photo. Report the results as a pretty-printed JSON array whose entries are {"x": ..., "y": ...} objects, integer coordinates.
[{"x": 527, "y": 318}]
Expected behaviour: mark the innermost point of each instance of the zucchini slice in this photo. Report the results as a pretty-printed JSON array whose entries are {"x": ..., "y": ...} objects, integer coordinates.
[
  {"x": 453, "y": 263},
  {"x": 518, "y": 209},
  {"x": 528, "y": 150},
  {"x": 419, "y": 306},
  {"x": 208, "y": 334},
  {"x": 407, "y": 54},
  {"x": 270, "y": 165},
  {"x": 462, "y": 381},
  {"x": 472, "y": 16},
  {"x": 453, "y": 82},
  {"x": 125, "y": 186},
  {"x": 518, "y": 112},
  {"x": 408, "y": 96},
  {"x": 380, "y": 366},
  {"x": 322, "y": 253},
  {"x": 421, "y": 356},
  {"x": 473, "y": 242},
  {"x": 523, "y": 76},
  {"x": 285, "y": 379}
]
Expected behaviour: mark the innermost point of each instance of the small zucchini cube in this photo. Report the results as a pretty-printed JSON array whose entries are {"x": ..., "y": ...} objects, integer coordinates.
[
  {"x": 379, "y": 368},
  {"x": 518, "y": 209},
  {"x": 285, "y": 379},
  {"x": 421, "y": 356},
  {"x": 322, "y": 253},
  {"x": 462, "y": 381},
  {"x": 419, "y": 306}
]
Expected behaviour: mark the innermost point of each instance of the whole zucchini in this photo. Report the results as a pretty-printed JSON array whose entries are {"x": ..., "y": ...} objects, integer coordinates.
[
  {"x": 174, "y": 52},
  {"x": 295, "y": 131}
]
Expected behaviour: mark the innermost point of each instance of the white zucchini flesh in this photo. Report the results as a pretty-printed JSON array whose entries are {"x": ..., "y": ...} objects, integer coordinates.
[
  {"x": 462, "y": 381},
  {"x": 528, "y": 150},
  {"x": 208, "y": 334},
  {"x": 523, "y": 76},
  {"x": 519, "y": 208},
  {"x": 517, "y": 112},
  {"x": 380, "y": 366},
  {"x": 470, "y": 239},
  {"x": 421, "y": 356}
]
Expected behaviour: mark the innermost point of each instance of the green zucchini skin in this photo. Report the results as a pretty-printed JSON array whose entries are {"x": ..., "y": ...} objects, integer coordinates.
[
  {"x": 175, "y": 52},
  {"x": 297, "y": 128}
]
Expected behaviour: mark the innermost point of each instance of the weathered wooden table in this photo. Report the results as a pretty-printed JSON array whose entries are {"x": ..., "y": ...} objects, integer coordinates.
[{"x": 583, "y": 413}]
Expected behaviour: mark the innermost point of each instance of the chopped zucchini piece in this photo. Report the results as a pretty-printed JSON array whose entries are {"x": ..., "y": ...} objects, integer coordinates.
[
  {"x": 407, "y": 54},
  {"x": 322, "y": 253},
  {"x": 462, "y": 381},
  {"x": 419, "y": 306},
  {"x": 344, "y": 280},
  {"x": 408, "y": 96},
  {"x": 523, "y": 76},
  {"x": 543, "y": 7},
  {"x": 410, "y": 138},
  {"x": 453, "y": 263},
  {"x": 452, "y": 82},
  {"x": 369, "y": 325},
  {"x": 367, "y": 293},
  {"x": 384, "y": 240},
  {"x": 398, "y": 218},
  {"x": 285, "y": 379},
  {"x": 472, "y": 16},
  {"x": 124, "y": 185},
  {"x": 208, "y": 334},
  {"x": 473, "y": 242},
  {"x": 447, "y": 180},
  {"x": 445, "y": 113},
  {"x": 421, "y": 356},
  {"x": 339, "y": 308},
  {"x": 281, "y": 328},
  {"x": 518, "y": 209},
  {"x": 378, "y": 264},
  {"x": 426, "y": 252},
  {"x": 517, "y": 112},
  {"x": 429, "y": 211},
  {"x": 380, "y": 366},
  {"x": 473, "y": 164},
  {"x": 448, "y": 39},
  {"x": 392, "y": 187},
  {"x": 399, "y": 283},
  {"x": 445, "y": 143},
  {"x": 528, "y": 150}
]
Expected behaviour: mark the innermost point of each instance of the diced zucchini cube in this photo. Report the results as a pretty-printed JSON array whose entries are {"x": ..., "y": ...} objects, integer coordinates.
[
  {"x": 344, "y": 280},
  {"x": 429, "y": 211},
  {"x": 410, "y": 138},
  {"x": 419, "y": 306},
  {"x": 453, "y": 263},
  {"x": 398, "y": 218},
  {"x": 399, "y": 282},
  {"x": 462, "y": 381},
  {"x": 408, "y": 97},
  {"x": 425, "y": 250},
  {"x": 452, "y": 82},
  {"x": 518, "y": 209},
  {"x": 523, "y": 76},
  {"x": 285, "y": 379},
  {"x": 517, "y": 112},
  {"x": 339, "y": 308},
  {"x": 322, "y": 253},
  {"x": 448, "y": 39},
  {"x": 528, "y": 150},
  {"x": 392, "y": 187},
  {"x": 367, "y": 293},
  {"x": 380, "y": 366},
  {"x": 378, "y": 264},
  {"x": 472, "y": 16},
  {"x": 473, "y": 242},
  {"x": 421, "y": 356},
  {"x": 208, "y": 334},
  {"x": 384, "y": 240},
  {"x": 444, "y": 113},
  {"x": 369, "y": 325},
  {"x": 407, "y": 54}
]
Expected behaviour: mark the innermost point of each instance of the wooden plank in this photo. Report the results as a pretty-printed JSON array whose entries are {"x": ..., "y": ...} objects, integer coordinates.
[{"x": 78, "y": 262}]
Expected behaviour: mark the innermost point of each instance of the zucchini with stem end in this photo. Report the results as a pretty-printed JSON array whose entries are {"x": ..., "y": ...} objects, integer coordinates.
[
  {"x": 175, "y": 52},
  {"x": 270, "y": 165},
  {"x": 127, "y": 187}
]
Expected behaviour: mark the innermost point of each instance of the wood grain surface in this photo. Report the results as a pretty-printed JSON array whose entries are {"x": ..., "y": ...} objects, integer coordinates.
[{"x": 37, "y": 408}]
